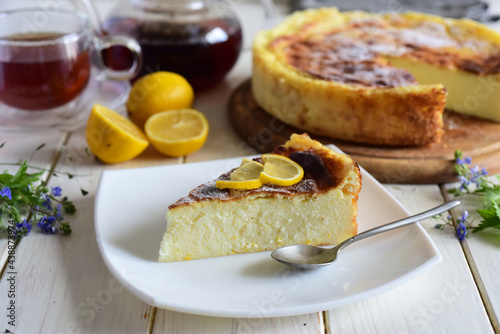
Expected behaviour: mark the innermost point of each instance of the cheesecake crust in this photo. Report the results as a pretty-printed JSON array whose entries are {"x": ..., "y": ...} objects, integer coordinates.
[{"x": 331, "y": 74}]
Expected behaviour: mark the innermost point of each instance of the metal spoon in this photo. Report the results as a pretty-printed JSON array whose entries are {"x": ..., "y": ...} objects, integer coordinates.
[{"x": 310, "y": 257}]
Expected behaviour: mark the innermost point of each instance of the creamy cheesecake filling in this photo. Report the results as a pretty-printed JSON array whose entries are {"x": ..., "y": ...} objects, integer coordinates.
[{"x": 358, "y": 52}]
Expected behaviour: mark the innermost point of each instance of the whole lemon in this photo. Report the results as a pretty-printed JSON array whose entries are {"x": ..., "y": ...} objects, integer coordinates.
[{"x": 157, "y": 92}]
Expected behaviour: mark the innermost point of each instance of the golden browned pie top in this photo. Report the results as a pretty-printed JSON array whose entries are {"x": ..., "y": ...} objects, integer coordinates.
[
  {"x": 323, "y": 170},
  {"x": 358, "y": 51}
]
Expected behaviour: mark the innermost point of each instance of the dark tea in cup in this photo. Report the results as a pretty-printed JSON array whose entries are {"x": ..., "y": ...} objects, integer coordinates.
[
  {"x": 47, "y": 59},
  {"x": 43, "y": 70}
]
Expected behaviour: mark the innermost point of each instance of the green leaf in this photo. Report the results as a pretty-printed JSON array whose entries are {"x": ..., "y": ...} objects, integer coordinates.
[
  {"x": 488, "y": 222},
  {"x": 491, "y": 218},
  {"x": 21, "y": 172},
  {"x": 492, "y": 195},
  {"x": 455, "y": 191},
  {"x": 4, "y": 178},
  {"x": 497, "y": 209}
]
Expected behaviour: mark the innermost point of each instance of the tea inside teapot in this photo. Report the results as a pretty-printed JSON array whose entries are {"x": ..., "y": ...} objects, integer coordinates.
[{"x": 198, "y": 39}]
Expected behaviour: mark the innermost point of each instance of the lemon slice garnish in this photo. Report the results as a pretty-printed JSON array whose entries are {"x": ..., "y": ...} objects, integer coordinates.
[
  {"x": 280, "y": 170},
  {"x": 247, "y": 176},
  {"x": 248, "y": 170},
  {"x": 277, "y": 169},
  {"x": 177, "y": 132}
]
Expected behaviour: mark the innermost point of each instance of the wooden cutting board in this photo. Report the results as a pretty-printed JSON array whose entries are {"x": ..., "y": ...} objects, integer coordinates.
[{"x": 477, "y": 138}]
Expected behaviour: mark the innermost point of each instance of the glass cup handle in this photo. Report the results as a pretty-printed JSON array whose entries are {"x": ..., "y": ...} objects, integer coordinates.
[{"x": 125, "y": 41}]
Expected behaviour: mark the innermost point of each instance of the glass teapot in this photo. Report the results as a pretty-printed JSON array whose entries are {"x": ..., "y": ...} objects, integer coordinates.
[{"x": 198, "y": 39}]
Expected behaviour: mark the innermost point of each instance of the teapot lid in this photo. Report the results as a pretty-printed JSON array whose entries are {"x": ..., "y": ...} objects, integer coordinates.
[{"x": 174, "y": 5}]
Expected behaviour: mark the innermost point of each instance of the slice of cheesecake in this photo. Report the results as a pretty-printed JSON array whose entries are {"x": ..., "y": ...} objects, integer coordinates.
[
  {"x": 321, "y": 209},
  {"x": 376, "y": 78}
]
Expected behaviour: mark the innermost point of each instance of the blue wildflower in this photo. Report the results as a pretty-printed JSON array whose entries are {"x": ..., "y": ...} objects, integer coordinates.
[
  {"x": 5, "y": 192},
  {"x": 46, "y": 224},
  {"x": 478, "y": 175},
  {"x": 41, "y": 222},
  {"x": 475, "y": 170},
  {"x": 58, "y": 212},
  {"x": 463, "y": 217},
  {"x": 467, "y": 160},
  {"x": 461, "y": 232},
  {"x": 23, "y": 228},
  {"x": 56, "y": 191},
  {"x": 461, "y": 228},
  {"x": 47, "y": 203},
  {"x": 464, "y": 182}
]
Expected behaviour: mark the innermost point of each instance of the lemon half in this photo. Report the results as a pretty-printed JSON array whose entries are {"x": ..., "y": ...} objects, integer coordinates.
[
  {"x": 177, "y": 132},
  {"x": 112, "y": 137}
]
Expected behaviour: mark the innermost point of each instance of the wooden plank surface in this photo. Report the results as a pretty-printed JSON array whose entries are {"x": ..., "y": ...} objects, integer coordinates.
[
  {"x": 439, "y": 301},
  {"x": 18, "y": 147},
  {"x": 173, "y": 322},
  {"x": 482, "y": 251},
  {"x": 64, "y": 286},
  {"x": 62, "y": 283}
]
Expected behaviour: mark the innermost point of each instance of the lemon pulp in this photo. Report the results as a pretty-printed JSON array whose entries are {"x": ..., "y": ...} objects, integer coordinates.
[{"x": 177, "y": 132}]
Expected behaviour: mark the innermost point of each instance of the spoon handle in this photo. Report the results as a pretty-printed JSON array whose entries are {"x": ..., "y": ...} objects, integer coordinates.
[{"x": 406, "y": 221}]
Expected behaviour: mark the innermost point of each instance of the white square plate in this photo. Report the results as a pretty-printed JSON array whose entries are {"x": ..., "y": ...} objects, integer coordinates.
[{"x": 130, "y": 222}]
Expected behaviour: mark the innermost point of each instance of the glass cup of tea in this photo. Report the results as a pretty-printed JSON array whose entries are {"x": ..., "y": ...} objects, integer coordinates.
[{"x": 49, "y": 59}]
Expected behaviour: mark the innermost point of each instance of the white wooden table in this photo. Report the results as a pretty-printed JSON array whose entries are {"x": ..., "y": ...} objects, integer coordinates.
[{"x": 63, "y": 286}]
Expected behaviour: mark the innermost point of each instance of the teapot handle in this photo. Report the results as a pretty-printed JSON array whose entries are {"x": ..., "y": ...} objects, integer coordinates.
[
  {"x": 270, "y": 13},
  {"x": 94, "y": 18}
]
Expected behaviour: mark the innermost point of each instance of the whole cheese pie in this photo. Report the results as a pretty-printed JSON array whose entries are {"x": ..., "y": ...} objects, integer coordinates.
[
  {"x": 376, "y": 78},
  {"x": 321, "y": 209}
]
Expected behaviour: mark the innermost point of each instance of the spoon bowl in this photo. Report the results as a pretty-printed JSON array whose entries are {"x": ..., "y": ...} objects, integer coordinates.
[
  {"x": 305, "y": 256},
  {"x": 310, "y": 257}
]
